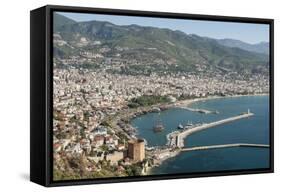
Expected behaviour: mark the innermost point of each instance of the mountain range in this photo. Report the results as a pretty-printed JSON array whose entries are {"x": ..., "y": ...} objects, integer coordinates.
[{"x": 158, "y": 49}]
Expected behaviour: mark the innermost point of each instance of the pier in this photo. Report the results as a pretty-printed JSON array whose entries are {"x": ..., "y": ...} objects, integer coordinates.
[
  {"x": 224, "y": 146},
  {"x": 177, "y": 138},
  {"x": 205, "y": 111}
]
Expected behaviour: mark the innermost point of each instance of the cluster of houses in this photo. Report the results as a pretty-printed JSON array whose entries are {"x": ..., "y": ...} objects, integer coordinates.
[{"x": 98, "y": 145}]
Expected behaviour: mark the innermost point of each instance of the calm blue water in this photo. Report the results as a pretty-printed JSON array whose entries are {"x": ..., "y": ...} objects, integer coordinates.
[{"x": 251, "y": 130}]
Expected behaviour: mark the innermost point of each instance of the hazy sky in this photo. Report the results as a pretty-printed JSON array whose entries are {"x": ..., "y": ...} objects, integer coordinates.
[{"x": 250, "y": 33}]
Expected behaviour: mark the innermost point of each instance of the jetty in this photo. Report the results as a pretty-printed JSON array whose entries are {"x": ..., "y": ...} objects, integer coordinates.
[
  {"x": 205, "y": 111},
  {"x": 223, "y": 146}
]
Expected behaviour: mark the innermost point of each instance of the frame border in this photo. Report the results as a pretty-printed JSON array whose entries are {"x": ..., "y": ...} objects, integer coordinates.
[{"x": 49, "y": 91}]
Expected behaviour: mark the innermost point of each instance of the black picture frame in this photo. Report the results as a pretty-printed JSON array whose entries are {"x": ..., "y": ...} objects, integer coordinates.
[{"x": 41, "y": 78}]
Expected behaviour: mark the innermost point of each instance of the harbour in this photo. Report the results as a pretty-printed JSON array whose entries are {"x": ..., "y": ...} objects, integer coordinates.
[{"x": 230, "y": 130}]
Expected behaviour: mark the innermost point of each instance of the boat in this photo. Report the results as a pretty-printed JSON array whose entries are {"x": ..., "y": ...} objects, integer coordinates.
[
  {"x": 189, "y": 123},
  {"x": 180, "y": 126},
  {"x": 158, "y": 127},
  {"x": 156, "y": 110}
]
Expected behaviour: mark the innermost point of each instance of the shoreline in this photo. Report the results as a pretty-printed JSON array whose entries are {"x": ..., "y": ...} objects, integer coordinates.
[{"x": 188, "y": 102}]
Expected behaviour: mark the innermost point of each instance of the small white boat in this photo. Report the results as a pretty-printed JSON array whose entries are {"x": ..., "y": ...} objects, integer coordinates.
[
  {"x": 189, "y": 124},
  {"x": 180, "y": 126}
]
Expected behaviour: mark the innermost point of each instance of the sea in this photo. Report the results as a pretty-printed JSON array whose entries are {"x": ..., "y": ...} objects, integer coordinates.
[{"x": 255, "y": 129}]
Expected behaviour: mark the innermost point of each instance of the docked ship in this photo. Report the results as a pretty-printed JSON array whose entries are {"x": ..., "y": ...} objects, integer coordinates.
[
  {"x": 189, "y": 124},
  {"x": 180, "y": 126}
]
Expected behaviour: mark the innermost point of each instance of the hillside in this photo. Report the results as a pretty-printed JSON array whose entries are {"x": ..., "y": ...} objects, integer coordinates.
[
  {"x": 136, "y": 49},
  {"x": 60, "y": 20}
]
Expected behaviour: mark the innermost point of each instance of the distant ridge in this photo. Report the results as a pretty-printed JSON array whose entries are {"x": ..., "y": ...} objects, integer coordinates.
[{"x": 262, "y": 47}]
